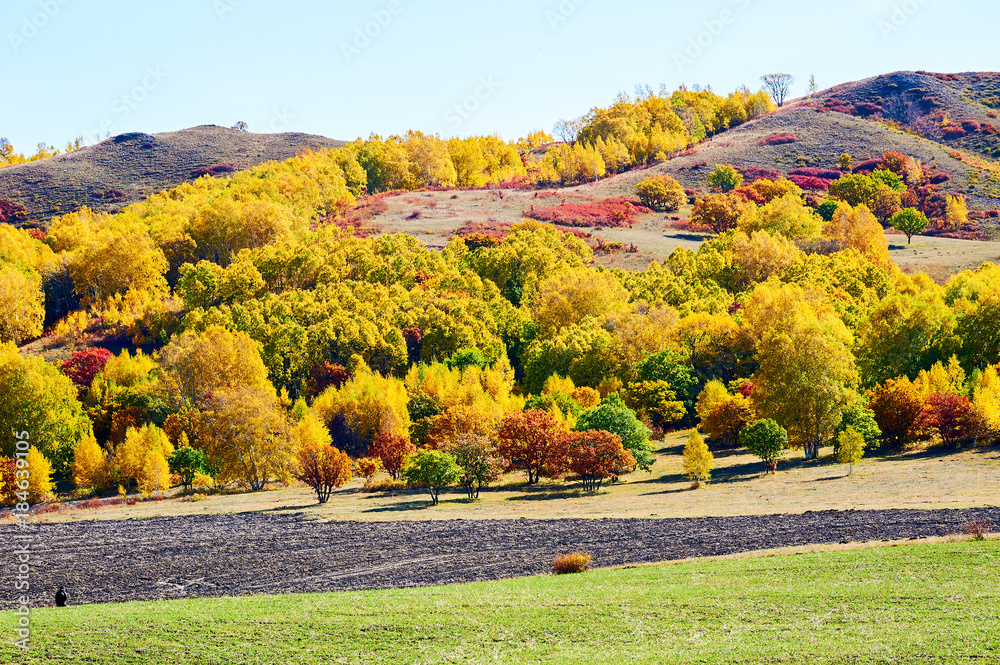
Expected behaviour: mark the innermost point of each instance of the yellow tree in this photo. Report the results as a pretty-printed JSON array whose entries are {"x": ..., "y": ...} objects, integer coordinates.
[
  {"x": 90, "y": 464},
  {"x": 22, "y": 304},
  {"x": 247, "y": 437},
  {"x": 39, "y": 476},
  {"x": 723, "y": 415},
  {"x": 857, "y": 228},
  {"x": 567, "y": 299},
  {"x": 698, "y": 459},
  {"x": 957, "y": 212},
  {"x": 195, "y": 365},
  {"x": 155, "y": 476},
  {"x": 366, "y": 406},
  {"x": 806, "y": 374}
]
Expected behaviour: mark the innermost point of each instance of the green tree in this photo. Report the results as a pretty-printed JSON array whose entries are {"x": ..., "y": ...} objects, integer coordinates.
[
  {"x": 910, "y": 222},
  {"x": 434, "y": 469},
  {"x": 765, "y": 439},
  {"x": 187, "y": 462},
  {"x": 481, "y": 463},
  {"x": 612, "y": 415},
  {"x": 725, "y": 178}
]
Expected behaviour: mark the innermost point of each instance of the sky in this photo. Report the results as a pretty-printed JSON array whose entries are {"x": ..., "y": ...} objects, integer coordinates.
[{"x": 71, "y": 68}]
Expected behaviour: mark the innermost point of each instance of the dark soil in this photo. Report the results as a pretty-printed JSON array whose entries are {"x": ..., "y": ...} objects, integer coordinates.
[{"x": 231, "y": 555}]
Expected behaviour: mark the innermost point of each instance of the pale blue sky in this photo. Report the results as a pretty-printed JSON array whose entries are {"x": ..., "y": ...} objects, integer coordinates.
[{"x": 78, "y": 67}]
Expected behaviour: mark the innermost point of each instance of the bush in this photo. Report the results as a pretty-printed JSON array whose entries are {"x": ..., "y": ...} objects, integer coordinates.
[
  {"x": 392, "y": 449},
  {"x": 575, "y": 562},
  {"x": 83, "y": 366},
  {"x": 609, "y": 213},
  {"x": 661, "y": 193},
  {"x": 612, "y": 415},
  {"x": 595, "y": 455},
  {"x": 778, "y": 139},
  {"x": 809, "y": 182},
  {"x": 977, "y": 529}
]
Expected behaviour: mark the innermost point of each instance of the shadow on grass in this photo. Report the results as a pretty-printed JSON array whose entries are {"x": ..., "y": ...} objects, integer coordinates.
[
  {"x": 543, "y": 494},
  {"x": 401, "y": 507}
]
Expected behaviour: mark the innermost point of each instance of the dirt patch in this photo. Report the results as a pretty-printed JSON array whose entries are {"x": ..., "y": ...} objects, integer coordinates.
[{"x": 233, "y": 555}]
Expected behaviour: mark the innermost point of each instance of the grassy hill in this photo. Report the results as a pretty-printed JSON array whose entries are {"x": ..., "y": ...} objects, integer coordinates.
[{"x": 128, "y": 167}]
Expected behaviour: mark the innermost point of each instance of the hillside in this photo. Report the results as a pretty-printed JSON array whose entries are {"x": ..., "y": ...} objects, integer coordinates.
[
  {"x": 958, "y": 110},
  {"x": 129, "y": 167}
]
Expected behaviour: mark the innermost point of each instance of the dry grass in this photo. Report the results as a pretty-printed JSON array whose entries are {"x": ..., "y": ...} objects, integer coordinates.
[{"x": 931, "y": 478}]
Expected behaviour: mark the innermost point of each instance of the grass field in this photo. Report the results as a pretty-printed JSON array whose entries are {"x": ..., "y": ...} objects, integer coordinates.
[
  {"x": 931, "y": 478},
  {"x": 926, "y": 603}
]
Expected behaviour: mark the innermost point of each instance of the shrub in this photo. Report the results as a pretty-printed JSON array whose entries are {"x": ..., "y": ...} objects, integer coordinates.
[
  {"x": 11, "y": 212},
  {"x": 953, "y": 132},
  {"x": 752, "y": 174},
  {"x": 765, "y": 439},
  {"x": 977, "y": 529},
  {"x": 778, "y": 139},
  {"x": 532, "y": 441},
  {"x": 809, "y": 182},
  {"x": 719, "y": 212},
  {"x": 970, "y": 125},
  {"x": 432, "y": 468},
  {"x": 661, "y": 193},
  {"x": 575, "y": 562},
  {"x": 851, "y": 448},
  {"x": 368, "y": 468},
  {"x": 609, "y": 213},
  {"x": 480, "y": 462},
  {"x": 322, "y": 467}
]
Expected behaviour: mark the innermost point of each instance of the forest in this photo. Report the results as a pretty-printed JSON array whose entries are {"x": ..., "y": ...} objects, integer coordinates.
[{"x": 239, "y": 330}]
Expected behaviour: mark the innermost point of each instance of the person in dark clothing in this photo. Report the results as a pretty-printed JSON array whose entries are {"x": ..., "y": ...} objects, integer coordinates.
[{"x": 61, "y": 597}]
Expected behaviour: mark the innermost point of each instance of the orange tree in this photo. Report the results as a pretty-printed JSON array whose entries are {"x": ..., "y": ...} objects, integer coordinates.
[
  {"x": 392, "y": 449},
  {"x": 532, "y": 441},
  {"x": 899, "y": 411},
  {"x": 322, "y": 467},
  {"x": 595, "y": 455}
]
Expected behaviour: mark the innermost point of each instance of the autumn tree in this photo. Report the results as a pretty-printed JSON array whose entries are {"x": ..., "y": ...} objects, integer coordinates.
[
  {"x": 698, "y": 459},
  {"x": 392, "y": 449},
  {"x": 245, "y": 434},
  {"x": 661, "y": 193},
  {"x": 481, "y": 463},
  {"x": 83, "y": 366},
  {"x": 851, "y": 448},
  {"x": 899, "y": 411},
  {"x": 765, "y": 439},
  {"x": 957, "y": 212},
  {"x": 859, "y": 229},
  {"x": 595, "y": 455},
  {"x": 532, "y": 441},
  {"x": 368, "y": 405},
  {"x": 38, "y": 398},
  {"x": 195, "y": 366},
  {"x": 456, "y": 422},
  {"x": 22, "y": 304},
  {"x": 952, "y": 417},
  {"x": 778, "y": 86},
  {"x": 434, "y": 469},
  {"x": 910, "y": 222},
  {"x": 89, "y": 468},
  {"x": 155, "y": 474},
  {"x": 131, "y": 463},
  {"x": 722, "y": 414},
  {"x": 719, "y": 212},
  {"x": 40, "y": 485},
  {"x": 322, "y": 467},
  {"x": 612, "y": 415}
]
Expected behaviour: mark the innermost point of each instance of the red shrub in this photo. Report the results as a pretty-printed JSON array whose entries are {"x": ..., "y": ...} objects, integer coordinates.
[
  {"x": 753, "y": 174},
  {"x": 414, "y": 338},
  {"x": 83, "y": 366},
  {"x": 970, "y": 125},
  {"x": 113, "y": 195},
  {"x": 989, "y": 129},
  {"x": 497, "y": 230},
  {"x": 11, "y": 212},
  {"x": 218, "y": 169},
  {"x": 778, "y": 139},
  {"x": 868, "y": 165},
  {"x": 809, "y": 182},
  {"x": 609, "y": 213},
  {"x": 37, "y": 234},
  {"x": 826, "y": 174},
  {"x": 951, "y": 416},
  {"x": 866, "y": 109},
  {"x": 953, "y": 132},
  {"x": 750, "y": 194},
  {"x": 993, "y": 214},
  {"x": 938, "y": 178}
]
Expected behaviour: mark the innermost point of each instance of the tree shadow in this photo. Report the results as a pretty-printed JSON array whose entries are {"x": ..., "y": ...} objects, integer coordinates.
[
  {"x": 568, "y": 493},
  {"x": 401, "y": 507}
]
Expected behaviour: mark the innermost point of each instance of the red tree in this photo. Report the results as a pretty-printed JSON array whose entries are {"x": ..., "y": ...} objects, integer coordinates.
[
  {"x": 392, "y": 449},
  {"x": 951, "y": 416},
  {"x": 325, "y": 375},
  {"x": 595, "y": 455},
  {"x": 83, "y": 366},
  {"x": 533, "y": 441}
]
